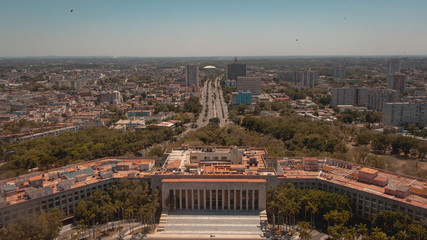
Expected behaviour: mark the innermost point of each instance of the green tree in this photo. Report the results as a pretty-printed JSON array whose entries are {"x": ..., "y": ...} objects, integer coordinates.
[
  {"x": 363, "y": 139},
  {"x": 46, "y": 225},
  {"x": 304, "y": 230},
  {"x": 381, "y": 142},
  {"x": 193, "y": 105},
  {"x": 241, "y": 109},
  {"x": 403, "y": 144},
  {"x": 390, "y": 222},
  {"x": 214, "y": 120}
]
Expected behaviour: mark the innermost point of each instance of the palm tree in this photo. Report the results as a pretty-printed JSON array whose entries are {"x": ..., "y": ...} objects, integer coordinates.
[
  {"x": 313, "y": 210},
  {"x": 108, "y": 211},
  {"x": 294, "y": 209},
  {"x": 362, "y": 231},
  {"x": 112, "y": 210},
  {"x": 282, "y": 213},
  {"x": 350, "y": 233},
  {"x": 129, "y": 210},
  {"x": 377, "y": 234},
  {"x": 273, "y": 209},
  {"x": 402, "y": 235},
  {"x": 304, "y": 230},
  {"x": 92, "y": 216}
]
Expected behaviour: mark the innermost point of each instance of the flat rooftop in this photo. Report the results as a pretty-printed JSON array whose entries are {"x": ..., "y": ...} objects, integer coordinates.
[
  {"x": 230, "y": 180},
  {"x": 96, "y": 165},
  {"x": 347, "y": 177},
  {"x": 253, "y": 168}
]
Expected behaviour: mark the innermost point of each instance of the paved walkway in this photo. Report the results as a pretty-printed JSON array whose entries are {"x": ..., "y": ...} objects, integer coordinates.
[
  {"x": 66, "y": 230},
  {"x": 202, "y": 224}
]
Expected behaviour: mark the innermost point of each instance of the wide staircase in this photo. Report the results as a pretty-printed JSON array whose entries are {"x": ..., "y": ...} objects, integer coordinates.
[{"x": 208, "y": 224}]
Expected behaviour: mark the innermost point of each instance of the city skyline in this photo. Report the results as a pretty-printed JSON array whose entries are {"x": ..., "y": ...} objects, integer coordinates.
[{"x": 218, "y": 28}]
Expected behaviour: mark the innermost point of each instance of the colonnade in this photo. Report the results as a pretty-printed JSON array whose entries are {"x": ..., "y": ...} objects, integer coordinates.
[{"x": 213, "y": 199}]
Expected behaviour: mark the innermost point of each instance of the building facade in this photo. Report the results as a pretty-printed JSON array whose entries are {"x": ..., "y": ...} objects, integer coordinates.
[
  {"x": 235, "y": 70},
  {"x": 253, "y": 84},
  {"x": 349, "y": 96},
  {"x": 230, "y": 83},
  {"x": 192, "y": 75},
  {"x": 397, "y": 82},
  {"x": 214, "y": 194},
  {"x": 376, "y": 98},
  {"x": 214, "y": 178},
  {"x": 113, "y": 97},
  {"x": 301, "y": 78},
  {"x": 241, "y": 98},
  {"x": 373, "y": 98},
  {"x": 401, "y": 113}
]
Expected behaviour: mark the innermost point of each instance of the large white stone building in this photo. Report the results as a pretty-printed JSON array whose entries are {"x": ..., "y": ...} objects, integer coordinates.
[{"x": 214, "y": 178}]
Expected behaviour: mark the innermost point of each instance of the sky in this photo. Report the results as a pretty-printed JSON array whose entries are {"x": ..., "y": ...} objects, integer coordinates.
[{"x": 162, "y": 28}]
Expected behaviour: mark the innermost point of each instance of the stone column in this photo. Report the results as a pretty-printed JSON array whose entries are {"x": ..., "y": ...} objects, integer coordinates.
[
  {"x": 229, "y": 196},
  {"x": 192, "y": 199},
  {"x": 180, "y": 199},
  {"x": 253, "y": 199}
]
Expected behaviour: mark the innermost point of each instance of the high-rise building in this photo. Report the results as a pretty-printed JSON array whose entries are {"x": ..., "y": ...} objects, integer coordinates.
[
  {"x": 300, "y": 78},
  {"x": 394, "y": 66},
  {"x": 307, "y": 78},
  {"x": 378, "y": 96},
  {"x": 230, "y": 83},
  {"x": 397, "y": 82},
  {"x": 339, "y": 72},
  {"x": 400, "y": 113},
  {"x": 241, "y": 98},
  {"x": 192, "y": 75},
  {"x": 349, "y": 96},
  {"x": 235, "y": 70},
  {"x": 252, "y": 84},
  {"x": 289, "y": 76},
  {"x": 371, "y": 98}
]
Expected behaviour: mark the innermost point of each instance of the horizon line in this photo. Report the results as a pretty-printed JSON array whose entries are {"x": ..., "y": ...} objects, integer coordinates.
[{"x": 217, "y": 56}]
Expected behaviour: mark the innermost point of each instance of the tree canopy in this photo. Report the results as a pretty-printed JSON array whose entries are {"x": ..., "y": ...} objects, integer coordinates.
[
  {"x": 44, "y": 226},
  {"x": 83, "y": 145}
]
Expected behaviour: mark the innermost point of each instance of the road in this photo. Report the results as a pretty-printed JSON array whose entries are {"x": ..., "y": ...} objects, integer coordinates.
[
  {"x": 213, "y": 106},
  {"x": 212, "y": 100}
]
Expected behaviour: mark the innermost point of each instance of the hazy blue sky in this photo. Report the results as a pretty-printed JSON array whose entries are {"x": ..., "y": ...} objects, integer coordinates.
[{"x": 212, "y": 28}]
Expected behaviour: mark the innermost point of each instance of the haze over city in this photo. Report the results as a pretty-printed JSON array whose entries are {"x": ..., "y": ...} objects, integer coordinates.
[
  {"x": 185, "y": 119},
  {"x": 212, "y": 28}
]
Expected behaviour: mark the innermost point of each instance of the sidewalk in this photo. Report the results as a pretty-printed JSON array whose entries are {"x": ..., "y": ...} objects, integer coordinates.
[{"x": 68, "y": 229}]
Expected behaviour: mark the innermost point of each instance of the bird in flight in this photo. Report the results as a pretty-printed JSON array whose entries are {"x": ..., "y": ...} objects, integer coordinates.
[{"x": 72, "y": 10}]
